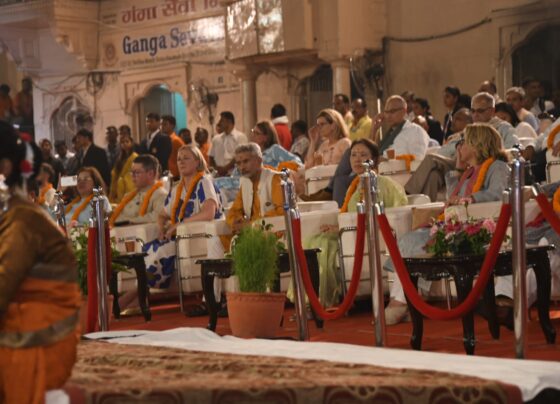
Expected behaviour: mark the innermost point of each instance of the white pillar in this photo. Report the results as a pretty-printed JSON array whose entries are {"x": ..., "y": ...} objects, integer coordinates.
[
  {"x": 341, "y": 76},
  {"x": 248, "y": 78}
]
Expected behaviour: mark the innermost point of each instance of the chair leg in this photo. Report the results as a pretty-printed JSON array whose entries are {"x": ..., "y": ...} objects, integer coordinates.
[
  {"x": 179, "y": 277},
  {"x": 447, "y": 283}
]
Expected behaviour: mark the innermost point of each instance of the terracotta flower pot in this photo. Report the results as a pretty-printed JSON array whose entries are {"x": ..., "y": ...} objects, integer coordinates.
[{"x": 255, "y": 315}]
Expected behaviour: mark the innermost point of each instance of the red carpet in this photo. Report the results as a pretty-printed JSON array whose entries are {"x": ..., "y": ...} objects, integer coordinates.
[{"x": 439, "y": 336}]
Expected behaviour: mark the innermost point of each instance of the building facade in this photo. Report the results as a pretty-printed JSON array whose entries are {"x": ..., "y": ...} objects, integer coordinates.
[{"x": 114, "y": 61}]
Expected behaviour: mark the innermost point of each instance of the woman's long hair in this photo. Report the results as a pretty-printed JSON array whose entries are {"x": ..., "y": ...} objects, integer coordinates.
[
  {"x": 267, "y": 128},
  {"x": 486, "y": 141},
  {"x": 333, "y": 116},
  {"x": 124, "y": 155}
]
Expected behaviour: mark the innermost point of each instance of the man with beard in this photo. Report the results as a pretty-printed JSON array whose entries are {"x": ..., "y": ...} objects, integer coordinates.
[{"x": 260, "y": 193}]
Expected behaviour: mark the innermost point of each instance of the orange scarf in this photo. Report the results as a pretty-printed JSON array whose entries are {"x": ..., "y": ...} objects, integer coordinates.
[
  {"x": 43, "y": 193},
  {"x": 482, "y": 174},
  {"x": 551, "y": 136},
  {"x": 80, "y": 208},
  {"x": 190, "y": 191},
  {"x": 351, "y": 189},
  {"x": 130, "y": 196},
  {"x": 408, "y": 159}
]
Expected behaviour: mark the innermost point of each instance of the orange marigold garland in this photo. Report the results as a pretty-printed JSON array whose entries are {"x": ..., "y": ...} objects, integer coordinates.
[
  {"x": 351, "y": 189},
  {"x": 81, "y": 208},
  {"x": 556, "y": 200},
  {"x": 408, "y": 159},
  {"x": 551, "y": 137},
  {"x": 129, "y": 197},
  {"x": 43, "y": 193},
  {"x": 482, "y": 174},
  {"x": 72, "y": 203},
  {"x": 192, "y": 186}
]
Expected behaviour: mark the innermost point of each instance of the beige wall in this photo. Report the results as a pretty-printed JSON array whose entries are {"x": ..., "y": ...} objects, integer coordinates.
[{"x": 9, "y": 74}]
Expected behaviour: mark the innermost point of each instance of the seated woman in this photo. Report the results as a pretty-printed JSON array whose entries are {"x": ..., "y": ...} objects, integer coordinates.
[
  {"x": 45, "y": 180},
  {"x": 522, "y": 129},
  {"x": 78, "y": 211},
  {"x": 273, "y": 156},
  {"x": 193, "y": 198},
  {"x": 390, "y": 193},
  {"x": 485, "y": 177},
  {"x": 328, "y": 140},
  {"x": 121, "y": 175}
]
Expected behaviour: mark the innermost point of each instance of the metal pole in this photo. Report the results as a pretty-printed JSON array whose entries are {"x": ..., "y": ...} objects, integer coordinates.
[
  {"x": 519, "y": 266},
  {"x": 291, "y": 212},
  {"x": 369, "y": 186},
  {"x": 59, "y": 211},
  {"x": 99, "y": 211}
]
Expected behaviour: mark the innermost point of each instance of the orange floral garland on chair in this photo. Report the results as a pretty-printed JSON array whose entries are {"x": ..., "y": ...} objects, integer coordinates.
[
  {"x": 80, "y": 208},
  {"x": 351, "y": 189},
  {"x": 192, "y": 186},
  {"x": 551, "y": 137},
  {"x": 408, "y": 159},
  {"x": 129, "y": 197},
  {"x": 556, "y": 200},
  {"x": 43, "y": 193}
]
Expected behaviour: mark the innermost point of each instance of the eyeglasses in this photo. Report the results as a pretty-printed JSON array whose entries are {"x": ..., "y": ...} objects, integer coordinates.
[
  {"x": 479, "y": 110},
  {"x": 137, "y": 172},
  {"x": 392, "y": 111}
]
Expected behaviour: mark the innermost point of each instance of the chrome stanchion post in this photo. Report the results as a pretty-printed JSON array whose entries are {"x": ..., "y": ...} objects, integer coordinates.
[
  {"x": 519, "y": 257},
  {"x": 101, "y": 256},
  {"x": 369, "y": 186},
  {"x": 59, "y": 211},
  {"x": 291, "y": 212}
]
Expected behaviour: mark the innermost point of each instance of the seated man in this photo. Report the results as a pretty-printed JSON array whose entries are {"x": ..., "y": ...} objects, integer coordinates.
[
  {"x": 260, "y": 193},
  {"x": 144, "y": 204},
  {"x": 429, "y": 177},
  {"x": 483, "y": 111},
  {"x": 404, "y": 137}
]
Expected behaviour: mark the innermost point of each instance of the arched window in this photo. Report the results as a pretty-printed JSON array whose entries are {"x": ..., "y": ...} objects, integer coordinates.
[{"x": 68, "y": 118}]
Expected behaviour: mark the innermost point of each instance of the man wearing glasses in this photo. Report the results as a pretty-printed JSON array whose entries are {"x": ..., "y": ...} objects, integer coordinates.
[
  {"x": 403, "y": 137},
  {"x": 143, "y": 204},
  {"x": 429, "y": 178}
]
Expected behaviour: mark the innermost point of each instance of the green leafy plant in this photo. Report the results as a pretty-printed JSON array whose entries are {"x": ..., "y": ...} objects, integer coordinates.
[
  {"x": 79, "y": 238},
  {"x": 255, "y": 258}
]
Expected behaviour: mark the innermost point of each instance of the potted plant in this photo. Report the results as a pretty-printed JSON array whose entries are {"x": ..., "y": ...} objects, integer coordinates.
[{"x": 255, "y": 312}]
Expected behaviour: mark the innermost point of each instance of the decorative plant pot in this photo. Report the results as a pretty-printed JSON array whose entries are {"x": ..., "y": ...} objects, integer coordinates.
[{"x": 255, "y": 315}]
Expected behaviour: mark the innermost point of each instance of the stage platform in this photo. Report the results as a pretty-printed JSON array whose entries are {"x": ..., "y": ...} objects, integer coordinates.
[{"x": 197, "y": 365}]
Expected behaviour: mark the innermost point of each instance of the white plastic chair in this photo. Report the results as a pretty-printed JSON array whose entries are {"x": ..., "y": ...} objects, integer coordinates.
[{"x": 318, "y": 177}]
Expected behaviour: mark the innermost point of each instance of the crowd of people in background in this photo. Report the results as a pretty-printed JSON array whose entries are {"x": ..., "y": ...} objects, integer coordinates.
[{"x": 235, "y": 175}]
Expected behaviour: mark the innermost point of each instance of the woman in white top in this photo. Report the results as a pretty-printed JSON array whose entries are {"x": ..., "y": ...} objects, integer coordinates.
[
  {"x": 193, "y": 198},
  {"x": 328, "y": 139},
  {"x": 507, "y": 113}
]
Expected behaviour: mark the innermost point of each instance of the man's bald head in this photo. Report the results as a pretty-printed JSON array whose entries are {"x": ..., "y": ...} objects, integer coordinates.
[
  {"x": 461, "y": 119},
  {"x": 395, "y": 110}
]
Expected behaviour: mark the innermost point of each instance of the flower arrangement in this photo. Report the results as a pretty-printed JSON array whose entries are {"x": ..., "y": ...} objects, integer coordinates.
[
  {"x": 79, "y": 238},
  {"x": 455, "y": 237}
]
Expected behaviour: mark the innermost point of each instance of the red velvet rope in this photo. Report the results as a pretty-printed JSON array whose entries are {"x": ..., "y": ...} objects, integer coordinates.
[
  {"x": 92, "y": 315},
  {"x": 469, "y": 303},
  {"x": 548, "y": 212},
  {"x": 356, "y": 272}
]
